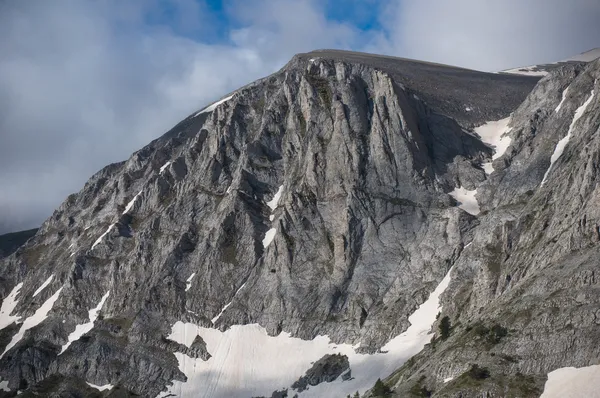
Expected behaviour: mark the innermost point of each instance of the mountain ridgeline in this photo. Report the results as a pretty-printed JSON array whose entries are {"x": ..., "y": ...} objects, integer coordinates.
[{"x": 300, "y": 237}]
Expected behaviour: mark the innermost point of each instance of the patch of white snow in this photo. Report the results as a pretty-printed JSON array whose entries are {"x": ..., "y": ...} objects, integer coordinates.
[
  {"x": 564, "y": 97},
  {"x": 494, "y": 134},
  {"x": 164, "y": 167},
  {"x": 34, "y": 320},
  {"x": 573, "y": 383},
  {"x": 216, "y": 318},
  {"x": 102, "y": 236},
  {"x": 46, "y": 283},
  {"x": 131, "y": 203},
  {"x": 188, "y": 282},
  {"x": 560, "y": 146},
  {"x": 82, "y": 329},
  {"x": 527, "y": 71},
  {"x": 246, "y": 361},
  {"x": 466, "y": 200},
  {"x": 269, "y": 236},
  {"x": 212, "y": 107},
  {"x": 101, "y": 388},
  {"x": 275, "y": 201},
  {"x": 4, "y": 386},
  {"x": 447, "y": 379},
  {"x": 8, "y": 305}
]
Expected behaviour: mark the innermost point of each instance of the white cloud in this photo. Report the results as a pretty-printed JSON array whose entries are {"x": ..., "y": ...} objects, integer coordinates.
[{"x": 491, "y": 35}]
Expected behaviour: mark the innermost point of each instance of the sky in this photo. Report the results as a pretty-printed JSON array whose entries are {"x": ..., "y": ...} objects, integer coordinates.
[{"x": 84, "y": 83}]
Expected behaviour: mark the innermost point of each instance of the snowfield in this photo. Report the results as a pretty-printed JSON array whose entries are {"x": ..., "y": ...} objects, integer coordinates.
[
  {"x": 494, "y": 134},
  {"x": 247, "y": 362},
  {"x": 573, "y": 383},
  {"x": 466, "y": 200}
]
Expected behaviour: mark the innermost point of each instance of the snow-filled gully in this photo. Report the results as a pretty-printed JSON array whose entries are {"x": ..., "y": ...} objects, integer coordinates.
[{"x": 246, "y": 361}]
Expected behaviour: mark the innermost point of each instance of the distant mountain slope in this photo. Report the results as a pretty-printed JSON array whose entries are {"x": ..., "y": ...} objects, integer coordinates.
[{"x": 10, "y": 242}]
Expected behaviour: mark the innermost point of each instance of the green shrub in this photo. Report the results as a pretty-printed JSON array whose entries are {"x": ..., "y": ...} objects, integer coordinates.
[{"x": 380, "y": 389}]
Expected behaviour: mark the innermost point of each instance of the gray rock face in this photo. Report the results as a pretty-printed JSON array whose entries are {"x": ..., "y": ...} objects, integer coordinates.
[
  {"x": 364, "y": 151},
  {"x": 532, "y": 266},
  {"x": 325, "y": 370}
]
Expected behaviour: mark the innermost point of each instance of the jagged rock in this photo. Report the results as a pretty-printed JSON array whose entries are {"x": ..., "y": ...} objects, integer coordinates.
[{"x": 325, "y": 370}]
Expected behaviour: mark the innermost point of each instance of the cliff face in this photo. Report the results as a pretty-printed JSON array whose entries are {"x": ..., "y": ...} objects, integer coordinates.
[{"x": 317, "y": 202}]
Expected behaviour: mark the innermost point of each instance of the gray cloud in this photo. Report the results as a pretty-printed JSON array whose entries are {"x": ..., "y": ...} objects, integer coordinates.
[
  {"x": 86, "y": 83},
  {"x": 491, "y": 35}
]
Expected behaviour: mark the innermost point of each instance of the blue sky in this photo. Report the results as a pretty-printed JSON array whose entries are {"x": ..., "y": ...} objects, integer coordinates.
[{"x": 84, "y": 83}]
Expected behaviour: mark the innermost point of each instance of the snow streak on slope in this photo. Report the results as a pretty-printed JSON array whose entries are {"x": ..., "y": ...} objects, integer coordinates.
[
  {"x": 466, "y": 200},
  {"x": 8, "y": 305},
  {"x": 214, "y": 106},
  {"x": 573, "y": 383},
  {"x": 215, "y": 319},
  {"x": 34, "y": 320},
  {"x": 270, "y": 235},
  {"x": 560, "y": 146},
  {"x": 188, "y": 282},
  {"x": 495, "y": 135},
  {"x": 102, "y": 236},
  {"x": 131, "y": 203},
  {"x": 4, "y": 386},
  {"x": 46, "y": 283},
  {"x": 164, "y": 167},
  {"x": 101, "y": 388},
  {"x": 82, "y": 329},
  {"x": 564, "y": 97},
  {"x": 247, "y": 362}
]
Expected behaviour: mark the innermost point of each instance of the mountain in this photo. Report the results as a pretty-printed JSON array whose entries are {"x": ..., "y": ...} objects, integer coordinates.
[
  {"x": 350, "y": 218},
  {"x": 10, "y": 242},
  {"x": 544, "y": 69}
]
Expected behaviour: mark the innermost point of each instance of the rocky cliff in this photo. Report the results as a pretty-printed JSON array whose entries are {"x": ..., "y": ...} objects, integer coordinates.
[{"x": 316, "y": 210}]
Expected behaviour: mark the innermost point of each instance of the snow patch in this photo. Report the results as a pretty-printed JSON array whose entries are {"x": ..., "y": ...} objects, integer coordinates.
[
  {"x": 82, "y": 329},
  {"x": 275, "y": 201},
  {"x": 212, "y": 107},
  {"x": 164, "y": 167},
  {"x": 46, "y": 283},
  {"x": 131, "y": 203},
  {"x": 4, "y": 386},
  {"x": 573, "y": 383},
  {"x": 188, "y": 282},
  {"x": 564, "y": 97},
  {"x": 246, "y": 361},
  {"x": 527, "y": 71},
  {"x": 269, "y": 236},
  {"x": 33, "y": 321},
  {"x": 101, "y": 388},
  {"x": 8, "y": 305},
  {"x": 447, "y": 379},
  {"x": 494, "y": 134},
  {"x": 468, "y": 109},
  {"x": 228, "y": 189},
  {"x": 560, "y": 146},
  {"x": 102, "y": 236},
  {"x": 466, "y": 200}
]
